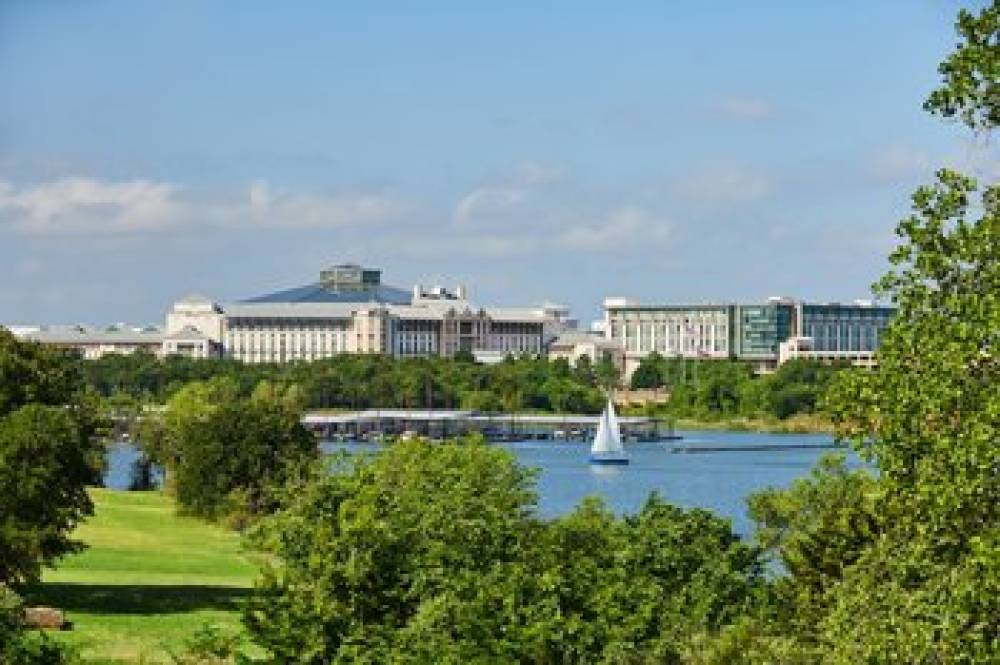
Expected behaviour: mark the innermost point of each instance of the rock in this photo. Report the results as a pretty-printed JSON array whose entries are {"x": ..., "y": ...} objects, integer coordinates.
[{"x": 45, "y": 618}]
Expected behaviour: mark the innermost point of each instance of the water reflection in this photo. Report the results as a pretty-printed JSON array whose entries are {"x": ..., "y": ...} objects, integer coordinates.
[{"x": 606, "y": 470}]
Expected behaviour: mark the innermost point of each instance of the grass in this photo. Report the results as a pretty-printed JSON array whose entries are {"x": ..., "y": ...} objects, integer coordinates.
[{"x": 148, "y": 580}]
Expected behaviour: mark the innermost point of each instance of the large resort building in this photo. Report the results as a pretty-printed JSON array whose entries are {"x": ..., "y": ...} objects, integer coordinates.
[
  {"x": 764, "y": 334},
  {"x": 348, "y": 310}
]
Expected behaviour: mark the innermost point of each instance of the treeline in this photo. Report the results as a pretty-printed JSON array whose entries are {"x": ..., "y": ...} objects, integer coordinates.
[
  {"x": 711, "y": 389},
  {"x": 361, "y": 381},
  {"x": 706, "y": 389}
]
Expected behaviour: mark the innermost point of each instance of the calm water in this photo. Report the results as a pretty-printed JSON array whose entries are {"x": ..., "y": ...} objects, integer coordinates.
[{"x": 720, "y": 481}]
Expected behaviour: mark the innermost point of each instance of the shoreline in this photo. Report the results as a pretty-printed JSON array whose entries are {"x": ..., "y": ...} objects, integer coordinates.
[{"x": 793, "y": 425}]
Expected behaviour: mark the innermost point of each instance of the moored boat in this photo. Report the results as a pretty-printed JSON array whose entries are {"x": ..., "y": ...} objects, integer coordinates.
[{"x": 607, "y": 446}]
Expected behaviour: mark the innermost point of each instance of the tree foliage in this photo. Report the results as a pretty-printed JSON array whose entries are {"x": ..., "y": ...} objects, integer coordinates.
[
  {"x": 361, "y": 381},
  {"x": 725, "y": 388},
  {"x": 434, "y": 553},
  {"x": 932, "y": 415},
  {"x": 971, "y": 78},
  {"x": 48, "y": 454},
  {"x": 224, "y": 454},
  {"x": 906, "y": 567},
  {"x": 18, "y": 646}
]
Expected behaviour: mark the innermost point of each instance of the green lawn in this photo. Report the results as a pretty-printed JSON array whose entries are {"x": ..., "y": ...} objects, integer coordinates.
[{"x": 147, "y": 581}]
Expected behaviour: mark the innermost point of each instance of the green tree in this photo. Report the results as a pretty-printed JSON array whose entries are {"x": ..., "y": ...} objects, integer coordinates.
[
  {"x": 608, "y": 376},
  {"x": 930, "y": 415},
  {"x": 929, "y": 589},
  {"x": 649, "y": 373},
  {"x": 971, "y": 89},
  {"x": 230, "y": 461},
  {"x": 362, "y": 551},
  {"x": 816, "y": 529},
  {"x": 162, "y": 434},
  {"x": 48, "y": 454},
  {"x": 221, "y": 452},
  {"x": 433, "y": 553}
]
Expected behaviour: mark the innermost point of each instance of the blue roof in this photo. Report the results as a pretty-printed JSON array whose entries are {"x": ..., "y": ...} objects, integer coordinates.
[{"x": 316, "y": 292}]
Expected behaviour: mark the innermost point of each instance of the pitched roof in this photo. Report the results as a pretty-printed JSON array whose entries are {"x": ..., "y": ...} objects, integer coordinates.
[
  {"x": 317, "y": 293},
  {"x": 84, "y": 335}
]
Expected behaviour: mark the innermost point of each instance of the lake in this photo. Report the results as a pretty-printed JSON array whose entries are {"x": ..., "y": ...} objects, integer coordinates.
[{"x": 719, "y": 481}]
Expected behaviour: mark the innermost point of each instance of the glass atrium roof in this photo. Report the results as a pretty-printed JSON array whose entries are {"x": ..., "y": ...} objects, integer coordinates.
[{"x": 318, "y": 292}]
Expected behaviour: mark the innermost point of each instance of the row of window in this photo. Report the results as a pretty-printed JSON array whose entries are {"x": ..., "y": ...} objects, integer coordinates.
[
  {"x": 843, "y": 337},
  {"x": 672, "y": 315}
]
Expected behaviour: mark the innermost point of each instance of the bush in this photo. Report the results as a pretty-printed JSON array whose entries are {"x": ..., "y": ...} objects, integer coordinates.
[
  {"x": 20, "y": 647},
  {"x": 229, "y": 461},
  {"x": 210, "y": 645},
  {"x": 433, "y": 553}
]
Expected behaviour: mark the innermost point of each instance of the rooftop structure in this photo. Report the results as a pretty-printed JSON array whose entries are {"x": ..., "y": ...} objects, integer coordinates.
[
  {"x": 575, "y": 344},
  {"x": 343, "y": 283},
  {"x": 93, "y": 343}
]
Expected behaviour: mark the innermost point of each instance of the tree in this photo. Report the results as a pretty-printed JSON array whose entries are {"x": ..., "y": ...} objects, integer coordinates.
[
  {"x": 162, "y": 435},
  {"x": 816, "y": 529},
  {"x": 433, "y": 553},
  {"x": 223, "y": 453},
  {"x": 228, "y": 464},
  {"x": 930, "y": 414},
  {"x": 649, "y": 373},
  {"x": 971, "y": 89},
  {"x": 48, "y": 454},
  {"x": 361, "y": 551},
  {"x": 928, "y": 590},
  {"x": 608, "y": 376}
]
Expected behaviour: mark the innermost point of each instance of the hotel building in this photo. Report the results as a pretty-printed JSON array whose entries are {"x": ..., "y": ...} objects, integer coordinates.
[
  {"x": 764, "y": 334},
  {"x": 350, "y": 310}
]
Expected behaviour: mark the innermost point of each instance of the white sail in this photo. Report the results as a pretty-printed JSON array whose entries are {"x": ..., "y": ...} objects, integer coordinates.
[
  {"x": 602, "y": 439},
  {"x": 614, "y": 429},
  {"x": 608, "y": 438}
]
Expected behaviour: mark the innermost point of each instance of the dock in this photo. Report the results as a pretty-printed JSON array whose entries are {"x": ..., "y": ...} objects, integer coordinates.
[
  {"x": 444, "y": 423},
  {"x": 753, "y": 447}
]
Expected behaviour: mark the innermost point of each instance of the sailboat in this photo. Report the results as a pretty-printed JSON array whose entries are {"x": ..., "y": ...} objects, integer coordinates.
[{"x": 607, "y": 446}]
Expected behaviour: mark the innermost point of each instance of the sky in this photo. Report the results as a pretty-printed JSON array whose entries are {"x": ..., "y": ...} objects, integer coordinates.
[{"x": 534, "y": 151}]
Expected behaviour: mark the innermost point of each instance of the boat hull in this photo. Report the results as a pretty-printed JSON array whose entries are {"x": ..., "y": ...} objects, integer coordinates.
[{"x": 620, "y": 461}]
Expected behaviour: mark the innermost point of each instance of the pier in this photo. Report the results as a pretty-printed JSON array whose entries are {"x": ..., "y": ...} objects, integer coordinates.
[{"x": 441, "y": 424}]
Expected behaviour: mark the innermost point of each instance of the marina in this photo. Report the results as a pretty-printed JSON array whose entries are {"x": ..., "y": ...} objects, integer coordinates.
[{"x": 373, "y": 424}]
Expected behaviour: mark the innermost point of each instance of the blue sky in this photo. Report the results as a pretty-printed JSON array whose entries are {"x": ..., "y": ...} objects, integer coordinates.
[{"x": 562, "y": 151}]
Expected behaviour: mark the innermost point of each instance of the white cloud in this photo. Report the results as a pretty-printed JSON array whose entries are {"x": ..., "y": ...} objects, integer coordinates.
[
  {"x": 260, "y": 197},
  {"x": 897, "y": 162},
  {"x": 538, "y": 210},
  {"x": 487, "y": 201},
  {"x": 305, "y": 210},
  {"x": 502, "y": 197},
  {"x": 85, "y": 205},
  {"x": 721, "y": 185},
  {"x": 532, "y": 173},
  {"x": 746, "y": 108},
  {"x": 626, "y": 227}
]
